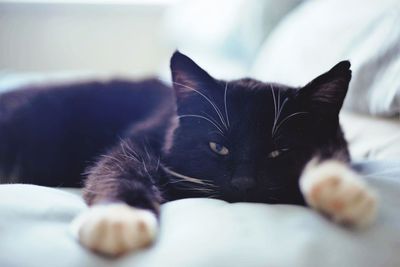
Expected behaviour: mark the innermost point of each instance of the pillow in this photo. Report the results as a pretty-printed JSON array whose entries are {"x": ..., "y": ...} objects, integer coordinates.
[
  {"x": 318, "y": 34},
  {"x": 34, "y": 231}
]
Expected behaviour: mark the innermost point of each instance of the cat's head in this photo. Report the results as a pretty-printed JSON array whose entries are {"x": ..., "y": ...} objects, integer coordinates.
[{"x": 246, "y": 140}]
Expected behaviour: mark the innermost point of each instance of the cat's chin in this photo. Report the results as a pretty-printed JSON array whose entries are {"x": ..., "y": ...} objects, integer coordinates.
[{"x": 291, "y": 195}]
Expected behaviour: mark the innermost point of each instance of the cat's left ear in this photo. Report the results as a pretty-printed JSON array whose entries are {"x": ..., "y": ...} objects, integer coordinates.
[
  {"x": 325, "y": 94},
  {"x": 188, "y": 77}
]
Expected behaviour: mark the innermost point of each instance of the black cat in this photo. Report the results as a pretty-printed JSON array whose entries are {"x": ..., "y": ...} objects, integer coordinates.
[{"x": 142, "y": 143}]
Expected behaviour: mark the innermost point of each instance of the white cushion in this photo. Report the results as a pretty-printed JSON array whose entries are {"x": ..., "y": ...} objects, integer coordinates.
[
  {"x": 318, "y": 34},
  {"x": 371, "y": 137}
]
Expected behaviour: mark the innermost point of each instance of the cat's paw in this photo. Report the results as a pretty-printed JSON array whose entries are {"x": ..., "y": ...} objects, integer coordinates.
[
  {"x": 115, "y": 229},
  {"x": 334, "y": 189}
]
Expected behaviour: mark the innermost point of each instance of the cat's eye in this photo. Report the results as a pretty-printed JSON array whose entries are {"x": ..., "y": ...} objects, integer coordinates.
[
  {"x": 219, "y": 149},
  {"x": 276, "y": 153}
]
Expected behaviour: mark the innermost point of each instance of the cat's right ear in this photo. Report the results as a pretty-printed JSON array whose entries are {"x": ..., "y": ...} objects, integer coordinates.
[
  {"x": 325, "y": 94},
  {"x": 187, "y": 76}
]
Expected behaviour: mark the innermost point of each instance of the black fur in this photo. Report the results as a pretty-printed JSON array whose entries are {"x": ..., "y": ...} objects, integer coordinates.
[{"x": 144, "y": 144}]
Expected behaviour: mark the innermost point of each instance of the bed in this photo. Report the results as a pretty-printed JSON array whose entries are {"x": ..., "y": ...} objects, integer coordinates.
[{"x": 35, "y": 231}]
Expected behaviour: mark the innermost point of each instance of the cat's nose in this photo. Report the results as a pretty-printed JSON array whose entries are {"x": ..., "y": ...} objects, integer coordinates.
[{"x": 243, "y": 183}]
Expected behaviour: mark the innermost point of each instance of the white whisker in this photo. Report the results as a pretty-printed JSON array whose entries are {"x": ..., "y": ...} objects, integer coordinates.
[
  {"x": 187, "y": 178},
  {"x": 225, "y": 104},
  {"x": 201, "y": 117},
  {"x": 279, "y": 114},
  {"x": 217, "y": 110},
  {"x": 283, "y": 105},
  {"x": 275, "y": 112},
  {"x": 186, "y": 188},
  {"x": 286, "y": 119},
  {"x": 279, "y": 102},
  {"x": 208, "y": 116}
]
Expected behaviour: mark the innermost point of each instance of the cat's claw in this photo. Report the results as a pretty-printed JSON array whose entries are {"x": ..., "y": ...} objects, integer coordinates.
[
  {"x": 334, "y": 189},
  {"x": 115, "y": 229}
]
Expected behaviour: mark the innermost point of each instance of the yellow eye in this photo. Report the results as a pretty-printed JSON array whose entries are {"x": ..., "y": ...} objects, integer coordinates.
[
  {"x": 219, "y": 149},
  {"x": 277, "y": 153}
]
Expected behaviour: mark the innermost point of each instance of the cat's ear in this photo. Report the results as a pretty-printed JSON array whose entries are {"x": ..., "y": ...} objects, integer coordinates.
[
  {"x": 187, "y": 76},
  {"x": 325, "y": 94}
]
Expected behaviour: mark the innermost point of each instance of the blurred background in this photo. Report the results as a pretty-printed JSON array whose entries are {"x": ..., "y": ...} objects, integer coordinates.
[
  {"x": 133, "y": 36},
  {"x": 287, "y": 41}
]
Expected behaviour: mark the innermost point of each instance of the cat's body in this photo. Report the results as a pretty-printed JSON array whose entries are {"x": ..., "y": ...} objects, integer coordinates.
[
  {"x": 142, "y": 143},
  {"x": 49, "y": 135}
]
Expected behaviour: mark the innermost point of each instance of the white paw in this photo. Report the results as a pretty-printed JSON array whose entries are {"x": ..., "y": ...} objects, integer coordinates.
[
  {"x": 115, "y": 229},
  {"x": 339, "y": 192}
]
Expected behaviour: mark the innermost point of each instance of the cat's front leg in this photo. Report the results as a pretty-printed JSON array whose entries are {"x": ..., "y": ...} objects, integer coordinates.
[
  {"x": 333, "y": 188},
  {"x": 123, "y": 199}
]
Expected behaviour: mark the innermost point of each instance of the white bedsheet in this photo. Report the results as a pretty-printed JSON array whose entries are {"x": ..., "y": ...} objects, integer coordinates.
[{"x": 34, "y": 231}]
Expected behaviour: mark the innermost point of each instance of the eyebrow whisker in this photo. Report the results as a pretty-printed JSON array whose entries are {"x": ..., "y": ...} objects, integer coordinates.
[
  {"x": 201, "y": 117},
  {"x": 225, "y": 104},
  {"x": 275, "y": 112},
  {"x": 286, "y": 119},
  {"x": 217, "y": 110},
  {"x": 208, "y": 116}
]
